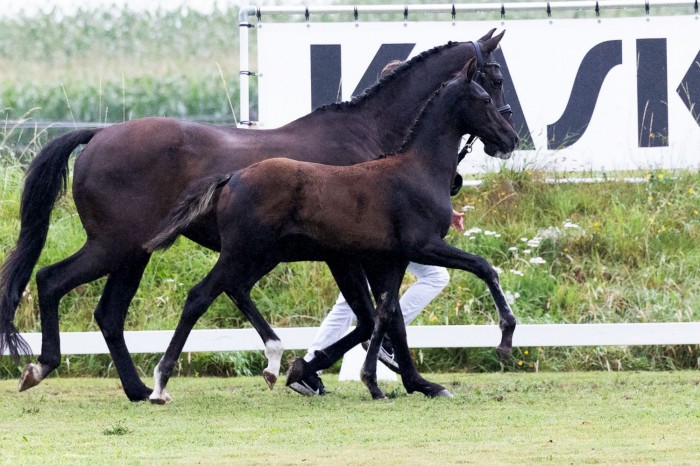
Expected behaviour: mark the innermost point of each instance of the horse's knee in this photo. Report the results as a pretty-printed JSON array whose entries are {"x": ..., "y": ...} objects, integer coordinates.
[{"x": 43, "y": 282}]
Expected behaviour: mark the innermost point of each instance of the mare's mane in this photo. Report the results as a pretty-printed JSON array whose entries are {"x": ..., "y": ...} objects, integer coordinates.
[
  {"x": 411, "y": 135},
  {"x": 384, "y": 80}
]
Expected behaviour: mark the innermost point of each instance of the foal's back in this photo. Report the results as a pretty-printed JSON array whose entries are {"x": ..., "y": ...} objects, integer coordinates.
[{"x": 349, "y": 208}]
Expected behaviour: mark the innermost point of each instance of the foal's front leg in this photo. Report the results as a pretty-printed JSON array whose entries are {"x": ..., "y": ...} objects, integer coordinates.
[
  {"x": 390, "y": 319},
  {"x": 437, "y": 252}
]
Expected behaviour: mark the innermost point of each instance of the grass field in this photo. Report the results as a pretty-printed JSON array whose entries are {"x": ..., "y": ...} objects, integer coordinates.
[{"x": 545, "y": 418}]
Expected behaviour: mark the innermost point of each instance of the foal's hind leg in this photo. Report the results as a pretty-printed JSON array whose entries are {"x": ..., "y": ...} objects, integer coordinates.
[
  {"x": 273, "y": 344},
  {"x": 198, "y": 301},
  {"x": 53, "y": 282}
]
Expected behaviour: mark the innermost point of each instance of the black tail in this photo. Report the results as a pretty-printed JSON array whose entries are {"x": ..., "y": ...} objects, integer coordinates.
[
  {"x": 197, "y": 200},
  {"x": 45, "y": 181}
]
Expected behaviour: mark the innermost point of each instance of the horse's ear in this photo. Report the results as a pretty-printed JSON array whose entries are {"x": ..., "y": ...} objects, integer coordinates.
[
  {"x": 469, "y": 69},
  {"x": 488, "y": 35},
  {"x": 489, "y": 45}
]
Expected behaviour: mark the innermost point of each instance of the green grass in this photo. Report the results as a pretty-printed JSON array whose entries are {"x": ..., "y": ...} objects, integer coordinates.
[{"x": 576, "y": 418}]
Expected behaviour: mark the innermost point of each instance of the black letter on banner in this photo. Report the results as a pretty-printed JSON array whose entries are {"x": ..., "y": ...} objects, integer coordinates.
[
  {"x": 519, "y": 121},
  {"x": 689, "y": 89},
  {"x": 652, "y": 93},
  {"x": 589, "y": 80},
  {"x": 325, "y": 75},
  {"x": 385, "y": 54}
]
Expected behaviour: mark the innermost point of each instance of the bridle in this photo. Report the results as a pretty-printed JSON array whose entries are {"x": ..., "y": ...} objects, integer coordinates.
[{"x": 504, "y": 110}]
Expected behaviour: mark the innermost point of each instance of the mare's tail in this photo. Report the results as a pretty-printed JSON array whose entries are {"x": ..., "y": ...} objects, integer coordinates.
[
  {"x": 196, "y": 201},
  {"x": 45, "y": 181}
]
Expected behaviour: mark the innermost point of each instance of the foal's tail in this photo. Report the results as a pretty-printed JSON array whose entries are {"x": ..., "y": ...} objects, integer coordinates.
[
  {"x": 196, "y": 201},
  {"x": 45, "y": 181}
]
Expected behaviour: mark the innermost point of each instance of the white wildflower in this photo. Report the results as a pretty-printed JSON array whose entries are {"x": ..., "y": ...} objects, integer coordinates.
[
  {"x": 527, "y": 251},
  {"x": 467, "y": 207},
  {"x": 568, "y": 224},
  {"x": 473, "y": 231},
  {"x": 511, "y": 297},
  {"x": 512, "y": 249},
  {"x": 498, "y": 270},
  {"x": 537, "y": 260},
  {"x": 517, "y": 272}
]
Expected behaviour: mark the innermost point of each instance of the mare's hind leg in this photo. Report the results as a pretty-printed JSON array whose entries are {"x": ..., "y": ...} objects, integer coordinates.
[
  {"x": 380, "y": 278},
  {"x": 110, "y": 314},
  {"x": 198, "y": 301},
  {"x": 53, "y": 282},
  {"x": 352, "y": 282}
]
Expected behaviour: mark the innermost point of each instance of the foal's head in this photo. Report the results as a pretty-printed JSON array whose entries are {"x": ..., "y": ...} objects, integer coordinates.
[{"x": 480, "y": 116}]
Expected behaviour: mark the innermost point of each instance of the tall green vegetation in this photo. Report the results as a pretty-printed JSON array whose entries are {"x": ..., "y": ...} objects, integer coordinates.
[{"x": 110, "y": 65}]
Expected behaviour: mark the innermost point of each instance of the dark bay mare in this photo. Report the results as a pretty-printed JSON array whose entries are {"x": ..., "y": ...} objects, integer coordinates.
[
  {"x": 396, "y": 209},
  {"x": 129, "y": 176}
]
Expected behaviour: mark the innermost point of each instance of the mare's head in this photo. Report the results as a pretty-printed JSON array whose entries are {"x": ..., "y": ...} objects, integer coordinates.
[
  {"x": 479, "y": 116},
  {"x": 489, "y": 76}
]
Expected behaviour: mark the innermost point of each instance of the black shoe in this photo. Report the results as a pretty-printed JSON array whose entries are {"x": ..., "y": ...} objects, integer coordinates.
[
  {"x": 310, "y": 385},
  {"x": 386, "y": 354}
]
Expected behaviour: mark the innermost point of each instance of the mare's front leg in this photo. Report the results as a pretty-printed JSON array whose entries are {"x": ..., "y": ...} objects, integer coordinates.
[
  {"x": 389, "y": 316},
  {"x": 437, "y": 252}
]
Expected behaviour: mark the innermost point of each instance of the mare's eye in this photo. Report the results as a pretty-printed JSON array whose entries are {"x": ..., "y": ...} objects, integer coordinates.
[
  {"x": 498, "y": 83},
  {"x": 487, "y": 100}
]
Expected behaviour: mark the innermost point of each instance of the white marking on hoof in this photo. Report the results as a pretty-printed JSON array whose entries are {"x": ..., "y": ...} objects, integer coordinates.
[
  {"x": 31, "y": 376},
  {"x": 444, "y": 394},
  {"x": 159, "y": 395},
  {"x": 273, "y": 353}
]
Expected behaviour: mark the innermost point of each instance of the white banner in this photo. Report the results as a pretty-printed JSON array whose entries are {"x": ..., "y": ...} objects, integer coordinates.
[{"x": 590, "y": 95}]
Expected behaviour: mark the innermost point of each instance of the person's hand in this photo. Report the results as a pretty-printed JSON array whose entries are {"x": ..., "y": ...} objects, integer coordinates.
[{"x": 457, "y": 221}]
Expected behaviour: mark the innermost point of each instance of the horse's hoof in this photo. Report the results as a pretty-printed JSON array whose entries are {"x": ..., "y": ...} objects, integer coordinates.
[
  {"x": 29, "y": 378},
  {"x": 160, "y": 400},
  {"x": 270, "y": 378},
  {"x": 504, "y": 353},
  {"x": 379, "y": 396},
  {"x": 443, "y": 394},
  {"x": 296, "y": 371}
]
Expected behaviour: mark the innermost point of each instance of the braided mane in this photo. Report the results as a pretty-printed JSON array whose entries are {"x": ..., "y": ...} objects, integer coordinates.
[{"x": 384, "y": 80}]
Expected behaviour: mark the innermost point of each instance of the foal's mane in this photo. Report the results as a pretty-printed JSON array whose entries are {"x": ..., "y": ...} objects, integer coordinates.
[{"x": 384, "y": 80}]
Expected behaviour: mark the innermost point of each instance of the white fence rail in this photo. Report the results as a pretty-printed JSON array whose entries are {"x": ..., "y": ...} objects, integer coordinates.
[{"x": 433, "y": 336}]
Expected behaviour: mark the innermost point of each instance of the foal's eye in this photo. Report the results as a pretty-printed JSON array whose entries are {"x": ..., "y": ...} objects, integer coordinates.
[
  {"x": 498, "y": 83},
  {"x": 487, "y": 100}
]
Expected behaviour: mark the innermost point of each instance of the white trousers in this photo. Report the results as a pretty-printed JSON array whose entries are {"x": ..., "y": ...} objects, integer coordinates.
[{"x": 430, "y": 281}]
